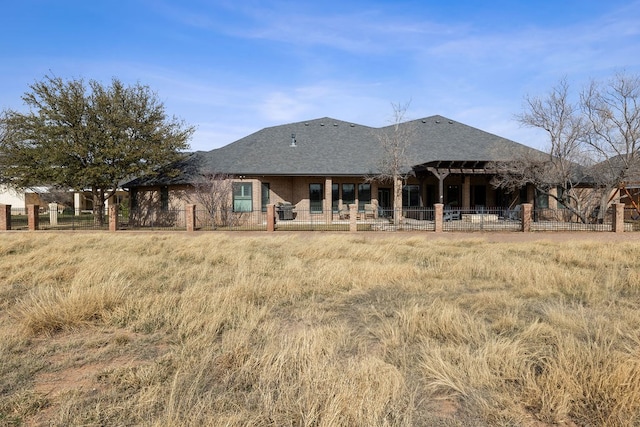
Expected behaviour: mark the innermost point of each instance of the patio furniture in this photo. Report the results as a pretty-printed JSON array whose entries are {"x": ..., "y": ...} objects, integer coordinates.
[
  {"x": 513, "y": 214},
  {"x": 285, "y": 211},
  {"x": 451, "y": 215},
  {"x": 343, "y": 213},
  {"x": 369, "y": 211}
]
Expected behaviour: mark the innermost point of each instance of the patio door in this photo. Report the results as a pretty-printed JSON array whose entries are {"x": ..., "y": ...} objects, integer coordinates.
[
  {"x": 385, "y": 203},
  {"x": 384, "y": 198}
]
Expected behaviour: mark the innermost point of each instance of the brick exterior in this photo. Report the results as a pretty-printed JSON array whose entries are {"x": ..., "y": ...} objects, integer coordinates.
[{"x": 5, "y": 217}]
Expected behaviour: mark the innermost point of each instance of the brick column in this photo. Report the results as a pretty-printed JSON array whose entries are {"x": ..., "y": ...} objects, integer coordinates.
[
  {"x": 113, "y": 218},
  {"x": 353, "y": 217},
  {"x": 5, "y": 217},
  {"x": 527, "y": 209},
  {"x": 190, "y": 216},
  {"x": 617, "y": 223},
  {"x": 438, "y": 216},
  {"x": 32, "y": 217},
  {"x": 271, "y": 218}
]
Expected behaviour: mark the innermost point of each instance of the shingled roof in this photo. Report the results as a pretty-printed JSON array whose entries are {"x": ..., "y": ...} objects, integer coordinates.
[{"x": 330, "y": 147}]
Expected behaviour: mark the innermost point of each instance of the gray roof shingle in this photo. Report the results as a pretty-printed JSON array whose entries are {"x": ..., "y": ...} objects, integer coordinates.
[{"x": 330, "y": 147}]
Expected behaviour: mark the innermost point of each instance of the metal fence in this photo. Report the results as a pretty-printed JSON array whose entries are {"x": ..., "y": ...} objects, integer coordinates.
[
  {"x": 61, "y": 220},
  {"x": 481, "y": 219},
  {"x": 567, "y": 220},
  {"x": 407, "y": 219}
]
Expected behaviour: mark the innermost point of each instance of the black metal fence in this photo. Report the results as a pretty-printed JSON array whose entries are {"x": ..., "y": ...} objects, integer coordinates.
[
  {"x": 66, "y": 219},
  {"x": 482, "y": 219},
  {"x": 407, "y": 219}
]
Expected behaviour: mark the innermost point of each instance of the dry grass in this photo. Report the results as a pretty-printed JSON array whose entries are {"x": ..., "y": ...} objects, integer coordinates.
[{"x": 320, "y": 330}]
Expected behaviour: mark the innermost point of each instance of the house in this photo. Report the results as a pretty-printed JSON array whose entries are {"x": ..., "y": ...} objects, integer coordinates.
[
  {"x": 322, "y": 165},
  {"x": 75, "y": 203}
]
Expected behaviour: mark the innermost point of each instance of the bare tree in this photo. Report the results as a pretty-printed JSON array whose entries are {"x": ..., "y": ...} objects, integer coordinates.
[
  {"x": 613, "y": 116},
  {"x": 214, "y": 193},
  {"x": 394, "y": 165},
  {"x": 562, "y": 173}
]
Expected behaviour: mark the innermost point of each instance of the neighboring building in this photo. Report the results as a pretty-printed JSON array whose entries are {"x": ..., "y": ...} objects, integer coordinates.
[
  {"x": 324, "y": 164},
  {"x": 75, "y": 202},
  {"x": 15, "y": 199}
]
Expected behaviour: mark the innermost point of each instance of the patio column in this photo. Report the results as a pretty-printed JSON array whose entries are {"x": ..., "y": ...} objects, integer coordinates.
[
  {"x": 5, "y": 217},
  {"x": 466, "y": 191},
  {"x": 328, "y": 208},
  {"x": 441, "y": 175},
  {"x": 617, "y": 224},
  {"x": 32, "y": 217},
  {"x": 526, "y": 217}
]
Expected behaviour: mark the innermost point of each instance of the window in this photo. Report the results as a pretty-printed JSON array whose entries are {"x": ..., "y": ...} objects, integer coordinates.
[
  {"x": 411, "y": 195},
  {"x": 348, "y": 194},
  {"x": 542, "y": 200},
  {"x": 364, "y": 195},
  {"x": 242, "y": 197},
  {"x": 164, "y": 198},
  {"x": 560, "y": 193},
  {"x": 315, "y": 198},
  {"x": 265, "y": 195},
  {"x": 335, "y": 197}
]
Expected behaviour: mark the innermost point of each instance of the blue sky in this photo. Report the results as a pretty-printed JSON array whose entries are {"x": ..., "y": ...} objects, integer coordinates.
[{"x": 231, "y": 68}]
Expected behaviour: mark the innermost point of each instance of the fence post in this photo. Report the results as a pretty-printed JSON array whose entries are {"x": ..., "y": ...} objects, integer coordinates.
[
  {"x": 53, "y": 214},
  {"x": 353, "y": 217},
  {"x": 5, "y": 217},
  {"x": 190, "y": 217},
  {"x": 271, "y": 217},
  {"x": 527, "y": 209},
  {"x": 113, "y": 217},
  {"x": 617, "y": 224},
  {"x": 32, "y": 217},
  {"x": 438, "y": 216}
]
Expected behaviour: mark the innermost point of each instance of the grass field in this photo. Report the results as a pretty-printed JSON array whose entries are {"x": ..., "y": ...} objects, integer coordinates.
[{"x": 101, "y": 329}]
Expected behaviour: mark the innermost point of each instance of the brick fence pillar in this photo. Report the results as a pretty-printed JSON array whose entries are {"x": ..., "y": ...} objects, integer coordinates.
[
  {"x": 438, "y": 216},
  {"x": 190, "y": 216},
  {"x": 353, "y": 217},
  {"x": 5, "y": 217},
  {"x": 527, "y": 210},
  {"x": 32, "y": 217},
  {"x": 113, "y": 217},
  {"x": 271, "y": 218},
  {"x": 617, "y": 224}
]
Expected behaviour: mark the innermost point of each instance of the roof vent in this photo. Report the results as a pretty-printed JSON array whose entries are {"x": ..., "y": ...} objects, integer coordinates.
[
  {"x": 306, "y": 124},
  {"x": 437, "y": 121},
  {"x": 424, "y": 121},
  {"x": 450, "y": 122},
  {"x": 335, "y": 124},
  {"x": 293, "y": 140},
  {"x": 321, "y": 124},
  {"x": 352, "y": 125}
]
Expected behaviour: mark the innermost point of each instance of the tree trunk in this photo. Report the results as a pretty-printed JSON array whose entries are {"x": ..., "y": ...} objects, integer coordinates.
[
  {"x": 397, "y": 200},
  {"x": 98, "y": 207}
]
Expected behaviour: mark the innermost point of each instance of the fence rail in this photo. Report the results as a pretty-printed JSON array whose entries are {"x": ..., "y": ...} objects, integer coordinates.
[{"x": 405, "y": 219}]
